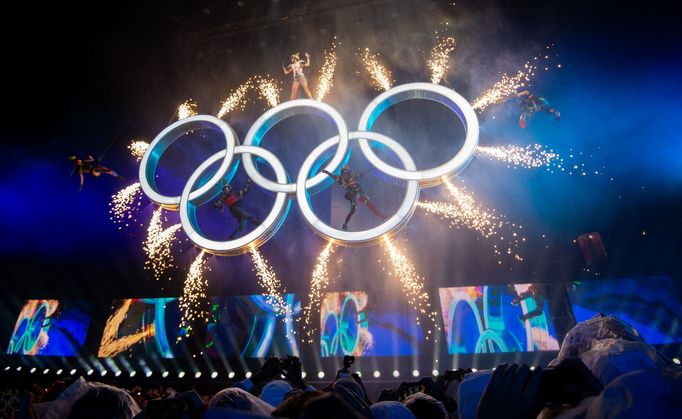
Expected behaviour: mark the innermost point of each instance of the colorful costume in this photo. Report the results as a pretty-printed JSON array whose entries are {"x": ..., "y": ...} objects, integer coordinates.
[
  {"x": 354, "y": 193},
  {"x": 531, "y": 104},
  {"x": 92, "y": 166},
  {"x": 296, "y": 67},
  {"x": 233, "y": 201}
]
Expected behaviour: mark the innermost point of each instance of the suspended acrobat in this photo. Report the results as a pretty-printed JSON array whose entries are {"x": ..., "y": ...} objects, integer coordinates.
[
  {"x": 531, "y": 104},
  {"x": 354, "y": 193},
  {"x": 296, "y": 67},
  {"x": 233, "y": 201},
  {"x": 92, "y": 166}
]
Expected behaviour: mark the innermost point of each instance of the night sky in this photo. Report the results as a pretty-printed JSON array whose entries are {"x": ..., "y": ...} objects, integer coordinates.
[{"x": 88, "y": 80}]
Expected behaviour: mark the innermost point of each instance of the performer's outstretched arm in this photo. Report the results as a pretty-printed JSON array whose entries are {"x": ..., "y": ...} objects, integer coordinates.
[
  {"x": 307, "y": 60},
  {"x": 336, "y": 178},
  {"x": 245, "y": 189}
]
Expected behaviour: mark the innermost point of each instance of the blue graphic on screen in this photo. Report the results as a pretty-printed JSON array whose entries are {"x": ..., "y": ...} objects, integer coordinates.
[
  {"x": 142, "y": 326},
  {"x": 650, "y": 305},
  {"x": 496, "y": 318},
  {"x": 50, "y": 327},
  {"x": 351, "y": 323},
  {"x": 252, "y": 327}
]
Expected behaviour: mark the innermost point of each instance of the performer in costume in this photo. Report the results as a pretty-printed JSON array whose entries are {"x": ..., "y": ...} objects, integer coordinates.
[
  {"x": 92, "y": 166},
  {"x": 354, "y": 193},
  {"x": 296, "y": 67},
  {"x": 531, "y": 104},
  {"x": 233, "y": 201}
]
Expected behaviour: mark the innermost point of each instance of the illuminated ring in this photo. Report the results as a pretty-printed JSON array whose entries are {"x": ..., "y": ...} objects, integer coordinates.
[
  {"x": 440, "y": 94},
  {"x": 366, "y": 237},
  {"x": 281, "y": 112},
  {"x": 167, "y": 137},
  {"x": 189, "y": 200}
]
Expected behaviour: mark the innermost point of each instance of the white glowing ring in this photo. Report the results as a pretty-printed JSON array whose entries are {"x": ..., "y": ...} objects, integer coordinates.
[
  {"x": 440, "y": 94},
  {"x": 167, "y": 137},
  {"x": 365, "y": 237},
  {"x": 190, "y": 200},
  {"x": 281, "y": 112}
]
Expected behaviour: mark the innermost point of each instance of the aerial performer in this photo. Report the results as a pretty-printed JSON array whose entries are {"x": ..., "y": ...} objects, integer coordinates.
[
  {"x": 233, "y": 201},
  {"x": 531, "y": 104},
  {"x": 354, "y": 193},
  {"x": 296, "y": 67},
  {"x": 92, "y": 166}
]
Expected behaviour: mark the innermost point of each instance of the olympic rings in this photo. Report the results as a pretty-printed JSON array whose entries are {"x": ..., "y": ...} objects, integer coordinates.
[
  {"x": 440, "y": 94},
  {"x": 304, "y": 185}
]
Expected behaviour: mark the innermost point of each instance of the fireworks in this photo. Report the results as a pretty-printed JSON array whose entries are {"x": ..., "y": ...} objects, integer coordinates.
[
  {"x": 531, "y": 156},
  {"x": 193, "y": 294},
  {"x": 158, "y": 245},
  {"x": 378, "y": 73},
  {"x": 267, "y": 279},
  {"x": 138, "y": 148},
  {"x": 236, "y": 99},
  {"x": 124, "y": 203},
  {"x": 187, "y": 108},
  {"x": 439, "y": 60},
  {"x": 325, "y": 81},
  {"x": 268, "y": 90},
  {"x": 413, "y": 284},
  {"x": 318, "y": 285},
  {"x": 505, "y": 88}
]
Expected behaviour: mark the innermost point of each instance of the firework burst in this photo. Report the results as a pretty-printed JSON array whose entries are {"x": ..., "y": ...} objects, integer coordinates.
[
  {"x": 439, "y": 60},
  {"x": 318, "y": 285},
  {"x": 268, "y": 90},
  {"x": 378, "y": 73},
  {"x": 529, "y": 157},
  {"x": 412, "y": 285},
  {"x": 267, "y": 279},
  {"x": 158, "y": 245},
  {"x": 137, "y": 149},
  {"x": 325, "y": 81},
  {"x": 236, "y": 100},
  {"x": 124, "y": 204},
  {"x": 194, "y": 295},
  {"x": 187, "y": 108}
]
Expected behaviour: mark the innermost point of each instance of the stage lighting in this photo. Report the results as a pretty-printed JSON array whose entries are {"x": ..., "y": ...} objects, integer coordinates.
[
  {"x": 148, "y": 374},
  {"x": 59, "y": 371},
  {"x": 320, "y": 374},
  {"x": 359, "y": 373},
  {"x": 18, "y": 368},
  {"x": 32, "y": 370},
  {"x": 377, "y": 374},
  {"x": 197, "y": 374},
  {"x": 474, "y": 370},
  {"x": 181, "y": 374},
  {"x": 248, "y": 374},
  {"x": 90, "y": 371},
  {"x": 46, "y": 370},
  {"x": 415, "y": 373},
  {"x": 117, "y": 373},
  {"x": 73, "y": 372},
  {"x": 396, "y": 374},
  {"x": 164, "y": 374},
  {"x": 303, "y": 374},
  {"x": 214, "y": 374},
  {"x": 434, "y": 372},
  {"x": 103, "y": 373},
  {"x": 132, "y": 373},
  {"x": 676, "y": 361},
  {"x": 7, "y": 368},
  {"x": 532, "y": 368},
  {"x": 230, "y": 375}
]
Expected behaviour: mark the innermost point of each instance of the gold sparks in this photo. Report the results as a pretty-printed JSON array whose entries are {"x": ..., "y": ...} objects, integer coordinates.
[
  {"x": 268, "y": 90},
  {"x": 137, "y": 149},
  {"x": 236, "y": 99},
  {"x": 505, "y": 88},
  {"x": 111, "y": 345},
  {"x": 325, "y": 81},
  {"x": 187, "y": 108},
  {"x": 158, "y": 245},
  {"x": 318, "y": 285},
  {"x": 529, "y": 157},
  {"x": 378, "y": 73},
  {"x": 193, "y": 295},
  {"x": 412, "y": 284},
  {"x": 267, "y": 279},
  {"x": 439, "y": 60},
  {"x": 124, "y": 203}
]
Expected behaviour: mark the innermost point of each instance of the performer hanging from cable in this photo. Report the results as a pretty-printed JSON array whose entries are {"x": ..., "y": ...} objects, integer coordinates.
[
  {"x": 92, "y": 166},
  {"x": 296, "y": 67},
  {"x": 233, "y": 201},
  {"x": 531, "y": 104},
  {"x": 354, "y": 193}
]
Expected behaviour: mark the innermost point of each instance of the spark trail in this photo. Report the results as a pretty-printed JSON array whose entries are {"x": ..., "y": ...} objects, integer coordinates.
[
  {"x": 318, "y": 285},
  {"x": 158, "y": 245},
  {"x": 378, "y": 73},
  {"x": 267, "y": 279},
  {"x": 137, "y": 149},
  {"x": 325, "y": 80},
  {"x": 194, "y": 295},
  {"x": 187, "y": 108},
  {"x": 124, "y": 204},
  {"x": 439, "y": 59}
]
